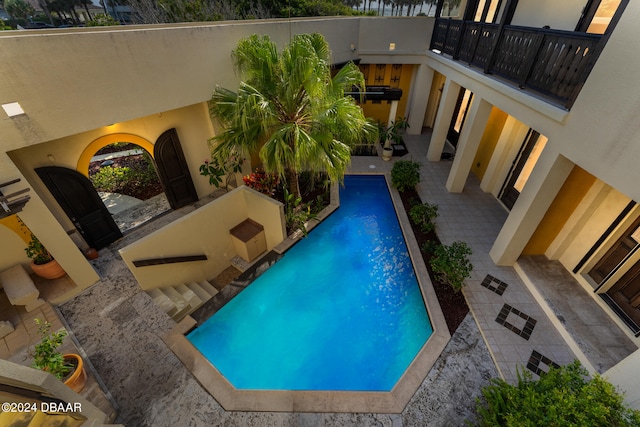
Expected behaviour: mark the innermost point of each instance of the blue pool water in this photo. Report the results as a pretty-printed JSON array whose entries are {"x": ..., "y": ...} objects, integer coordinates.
[{"x": 341, "y": 310}]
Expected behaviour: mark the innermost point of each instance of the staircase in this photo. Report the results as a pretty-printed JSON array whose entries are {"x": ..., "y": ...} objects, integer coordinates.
[{"x": 180, "y": 300}]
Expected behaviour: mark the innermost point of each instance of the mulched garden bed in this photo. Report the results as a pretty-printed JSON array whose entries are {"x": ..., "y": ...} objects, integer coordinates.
[
  {"x": 454, "y": 306},
  {"x": 133, "y": 188}
]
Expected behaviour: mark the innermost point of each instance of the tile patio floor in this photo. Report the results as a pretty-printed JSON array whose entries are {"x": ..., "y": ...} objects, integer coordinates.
[
  {"x": 120, "y": 328},
  {"x": 518, "y": 331}
]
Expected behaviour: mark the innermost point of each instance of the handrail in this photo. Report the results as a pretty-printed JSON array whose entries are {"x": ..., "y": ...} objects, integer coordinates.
[
  {"x": 555, "y": 63},
  {"x": 168, "y": 260}
]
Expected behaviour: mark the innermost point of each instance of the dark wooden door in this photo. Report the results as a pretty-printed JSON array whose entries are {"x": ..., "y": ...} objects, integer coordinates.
[
  {"x": 626, "y": 293},
  {"x": 509, "y": 193},
  {"x": 174, "y": 171},
  {"x": 616, "y": 255},
  {"x": 80, "y": 201}
]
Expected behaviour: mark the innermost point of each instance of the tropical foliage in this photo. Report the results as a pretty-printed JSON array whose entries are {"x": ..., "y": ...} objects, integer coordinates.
[
  {"x": 19, "y": 9},
  {"x": 405, "y": 174},
  {"x": 290, "y": 110},
  {"x": 450, "y": 264},
  {"x": 423, "y": 214},
  {"x": 565, "y": 396}
]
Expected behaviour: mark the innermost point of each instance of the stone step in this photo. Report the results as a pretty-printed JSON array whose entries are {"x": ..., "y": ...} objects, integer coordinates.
[
  {"x": 194, "y": 300},
  {"x": 211, "y": 290},
  {"x": 181, "y": 303},
  {"x": 163, "y": 301},
  {"x": 199, "y": 290}
]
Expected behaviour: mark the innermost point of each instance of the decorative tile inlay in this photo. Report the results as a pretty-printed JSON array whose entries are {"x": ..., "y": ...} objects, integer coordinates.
[
  {"x": 530, "y": 322},
  {"x": 536, "y": 359},
  {"x": 495, "y": 285}
]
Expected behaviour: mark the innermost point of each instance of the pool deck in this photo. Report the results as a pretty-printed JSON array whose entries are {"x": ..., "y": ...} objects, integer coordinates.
[{"x": 121, "y": 329}]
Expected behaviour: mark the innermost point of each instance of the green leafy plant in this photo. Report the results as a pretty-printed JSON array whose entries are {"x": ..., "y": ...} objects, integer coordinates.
[
  {"x": 296, "y": 213},
  {"x": 220, "y": 167},
  {"x": 423, "y": 214},
  {"x": 46, "y": 355},
  {"x": 565, "y": 396},
  {"x": 37, "y": 252},
  {"x": 405, "y": 174},
  {"x": 451, "y": 265}
]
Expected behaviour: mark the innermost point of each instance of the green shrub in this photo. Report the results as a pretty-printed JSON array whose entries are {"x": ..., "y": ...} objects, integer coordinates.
[
  {"x": 423, "y": 214},
  {"x": 564, "y": 396},
  {"x": 110, "y": 179},
  {"x": 405, "y": 174},
  {"x": 451, "y": 265}
]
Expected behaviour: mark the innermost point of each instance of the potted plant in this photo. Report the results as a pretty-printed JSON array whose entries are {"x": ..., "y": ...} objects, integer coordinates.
[
  {"x": 385, "y": 133},
  {"x": 42, "y": 263},
  {"x": 68, "y": 368}
]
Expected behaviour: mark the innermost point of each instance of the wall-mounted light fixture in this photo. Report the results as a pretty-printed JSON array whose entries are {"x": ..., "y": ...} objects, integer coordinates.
[
  {"x": 392, "y": 46},
  {"x": 353, "y": 47},
  {"x": 13, "y": 109}
]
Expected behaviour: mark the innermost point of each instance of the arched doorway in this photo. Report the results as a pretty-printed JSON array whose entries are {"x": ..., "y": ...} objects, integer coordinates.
[
  {"x": 122, "y": 170},
  {"x": 165, "y": 174}
]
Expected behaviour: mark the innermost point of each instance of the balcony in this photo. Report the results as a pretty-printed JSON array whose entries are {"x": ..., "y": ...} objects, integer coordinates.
[{"x": 551, "y": 63}]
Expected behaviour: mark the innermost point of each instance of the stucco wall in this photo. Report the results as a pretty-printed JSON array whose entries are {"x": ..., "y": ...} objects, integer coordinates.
[
  {"x": 559, "y": 15},
  {"x": 204, "y": 231},
  {"x": 192, "y": 124}
]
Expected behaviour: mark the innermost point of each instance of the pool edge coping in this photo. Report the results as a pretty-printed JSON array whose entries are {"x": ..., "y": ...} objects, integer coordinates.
[{"x": 394, "y": 401}]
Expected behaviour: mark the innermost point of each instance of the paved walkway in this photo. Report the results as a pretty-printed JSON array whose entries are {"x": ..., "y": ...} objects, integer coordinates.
[{"x": 519, "y": 331}]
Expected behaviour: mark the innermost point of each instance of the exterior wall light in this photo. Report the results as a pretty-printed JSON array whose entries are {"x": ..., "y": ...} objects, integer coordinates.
[{"x": 13, "y": 109}]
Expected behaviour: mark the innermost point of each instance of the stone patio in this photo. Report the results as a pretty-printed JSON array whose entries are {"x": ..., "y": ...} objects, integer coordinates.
[{"x": 120, "y": 328}]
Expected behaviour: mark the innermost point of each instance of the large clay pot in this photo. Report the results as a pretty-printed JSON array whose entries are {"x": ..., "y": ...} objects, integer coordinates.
[
  {"x": 50, "y": 270},
  {"x": 78, "y": 378}
]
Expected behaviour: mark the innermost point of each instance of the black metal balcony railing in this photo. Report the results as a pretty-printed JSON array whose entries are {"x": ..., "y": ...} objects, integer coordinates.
[{"x": 552, "y": 62}]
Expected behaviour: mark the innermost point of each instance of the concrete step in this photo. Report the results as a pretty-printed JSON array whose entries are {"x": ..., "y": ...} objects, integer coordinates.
[
  {"x": 198, "y": 290},
  {"x": 192, "y": 298},
  {"x": 163, "y": 301},
  {"x": 211, "y": 290},
  {"x": 181, "y": 303}
]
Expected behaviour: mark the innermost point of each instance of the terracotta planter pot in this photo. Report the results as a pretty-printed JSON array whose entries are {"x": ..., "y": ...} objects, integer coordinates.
[
  {"x": 78, "y": 378},
  {"x": 91, "y": 253},
  {"x": 50, "y": 270}
]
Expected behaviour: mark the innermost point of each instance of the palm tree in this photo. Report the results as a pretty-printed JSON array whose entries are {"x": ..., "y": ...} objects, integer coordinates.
[{"x": 290, "y": 110}]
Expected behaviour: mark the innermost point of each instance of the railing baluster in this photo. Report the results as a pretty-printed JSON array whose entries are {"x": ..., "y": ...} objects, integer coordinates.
[{"x": 554, "y": 63}]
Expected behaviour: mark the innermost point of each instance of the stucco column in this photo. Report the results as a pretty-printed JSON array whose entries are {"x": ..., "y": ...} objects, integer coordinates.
[
  {"x": 541, "y": 188},
  {"x": 443, "y": 120},
  {"x": 392, "y": 113},
  {"x": 504, "y": 153},
  {"x": 620, "y": 376},
  {"x": 421, "y": 93},
  {"x": 470, "y": 137}
]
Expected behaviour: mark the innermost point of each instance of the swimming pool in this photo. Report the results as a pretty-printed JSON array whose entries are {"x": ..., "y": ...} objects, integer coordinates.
[{"x": 342, "y": 310}]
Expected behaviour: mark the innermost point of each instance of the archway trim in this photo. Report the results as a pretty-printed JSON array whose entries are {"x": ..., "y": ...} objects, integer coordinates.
[{"x": 103, "y": 141}]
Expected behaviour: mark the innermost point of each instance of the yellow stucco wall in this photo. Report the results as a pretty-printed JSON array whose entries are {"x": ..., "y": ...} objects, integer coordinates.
[
  {"x": 380, "y": 111},
  {"x": 191, "y": 122},
  {"x": 14, "y": 240},
  {"x": 204, "y": 231},
  {"x": 490, "y": 138},
  {"x": 574, "y": 189}
]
